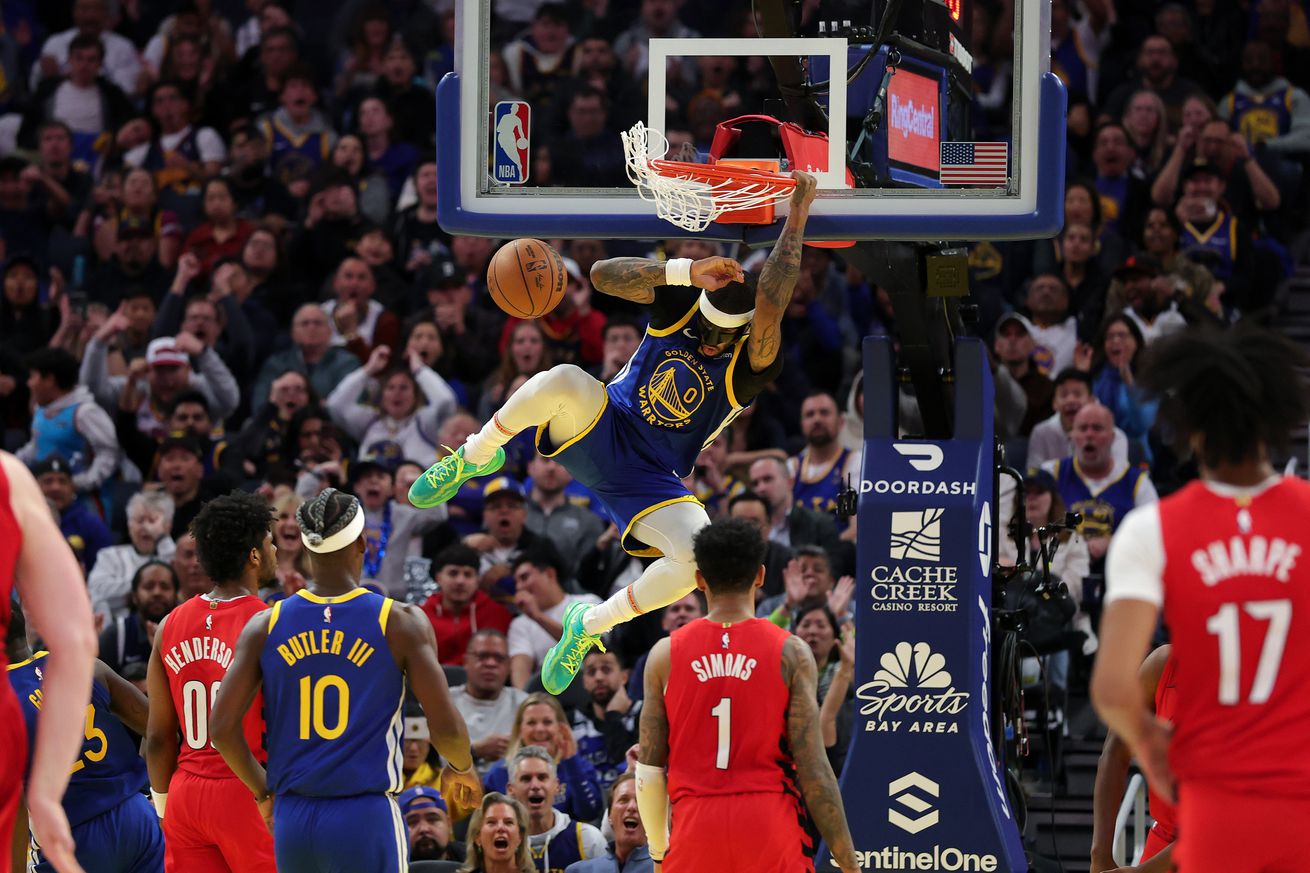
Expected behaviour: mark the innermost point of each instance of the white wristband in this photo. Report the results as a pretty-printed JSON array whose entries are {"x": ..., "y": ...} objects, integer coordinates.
[
  {"x": 677, "y": 271},
  {"x": 159, "y": 800}
]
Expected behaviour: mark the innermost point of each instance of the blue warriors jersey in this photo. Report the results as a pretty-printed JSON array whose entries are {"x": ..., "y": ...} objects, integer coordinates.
[
  {"x": 1103, "y": 510},
  {"x": 821, "y": 494},
  {"x": 684, "y": 398},
  {"x": 1261, "y": 117},
  {"x": 332, "y": 696},
  {"x": 294, "y": 155},
  {"x": 108, "y": 771},
  {"x": 1220, "y": 239}
]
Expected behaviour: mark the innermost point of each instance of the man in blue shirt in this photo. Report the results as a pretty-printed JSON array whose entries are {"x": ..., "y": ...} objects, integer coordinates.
[
  {"x": 85, "y": 532},
  {"x": 629, "y": 852}
]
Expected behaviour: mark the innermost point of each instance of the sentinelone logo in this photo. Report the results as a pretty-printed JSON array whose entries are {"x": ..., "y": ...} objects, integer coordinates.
[
  {"x": 925, "y": 813},
  {"x": 946, "y": 858},
  {"x": 912, "y": 689}
]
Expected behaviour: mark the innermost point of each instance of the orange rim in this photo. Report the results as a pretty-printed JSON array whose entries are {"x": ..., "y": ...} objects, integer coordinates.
[{"x": 711, "y": 174}]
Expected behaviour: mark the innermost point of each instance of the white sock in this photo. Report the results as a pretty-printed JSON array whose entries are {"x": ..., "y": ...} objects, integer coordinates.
[
  {"x": 671, "y": 530},
  {"x": 662, "y": 583}
]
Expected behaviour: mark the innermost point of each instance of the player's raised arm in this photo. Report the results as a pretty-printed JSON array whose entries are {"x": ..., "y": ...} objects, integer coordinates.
[
  {"x": 413, "y": 642},
  {"x": 636, "y": 278},
  {"x": 235, "y": 695},
  {"x": 125, "y": 700},
  {"x": 653, "y": 753},
  {"x": 778, "y": 277},
  {"x": 814, "y": 773},
  {"x": 162, "y": 742},
  {"x": 55, "y": 600}
]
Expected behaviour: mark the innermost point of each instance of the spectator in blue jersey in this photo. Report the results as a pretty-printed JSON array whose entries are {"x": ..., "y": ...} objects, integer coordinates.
[
  {"x": 1124, "y": 197},
  {"x": 82, "y": 528},
  {"x": 396, "y": 160},
  {"x": 556, "y": 838},
  {"x": 68, "y": 422},
  {"x": 607, "y": 726},
  {"x": 822, "y": 468},
  {"x": 298, "y": 136},
  {"x": 540, "y": 722},
  {"x": 128, "y": 639},
  {"x": 1265, "y": 108},
  {"x": 1096, "y": 484},
  {"x": 629, "y": 852},
  {"x": 180, "y": 155}
]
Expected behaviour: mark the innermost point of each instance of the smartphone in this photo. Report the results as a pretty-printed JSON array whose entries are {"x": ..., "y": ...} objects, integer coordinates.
[{"x": 77, "y": 302}]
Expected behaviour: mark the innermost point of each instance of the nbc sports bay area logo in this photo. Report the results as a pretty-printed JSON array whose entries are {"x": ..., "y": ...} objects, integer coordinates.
[
  {"x": 919, "y": 582},
  {"x": 912, "y": 693}
]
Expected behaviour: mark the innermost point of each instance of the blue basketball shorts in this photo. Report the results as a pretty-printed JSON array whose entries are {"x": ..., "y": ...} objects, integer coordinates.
[
  {"x": 609, "y": 459},
  {"x": 126, "y": 839},
  {"x": 360, "y": 834}
]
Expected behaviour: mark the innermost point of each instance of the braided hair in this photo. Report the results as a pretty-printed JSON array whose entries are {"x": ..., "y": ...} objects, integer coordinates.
[
  {"x": 1240, "y": 390},
  {"x": 326, "y": 514}
]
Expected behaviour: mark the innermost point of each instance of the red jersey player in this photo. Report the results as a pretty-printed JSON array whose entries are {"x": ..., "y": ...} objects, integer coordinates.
[
  {"x": 731, "y": 712},
  {"x": 1156, "y": 678},
  {"x": 1224, "y": 559},
  {"x": 212, "y": 824},
  {"x": 35, "y": 558}
]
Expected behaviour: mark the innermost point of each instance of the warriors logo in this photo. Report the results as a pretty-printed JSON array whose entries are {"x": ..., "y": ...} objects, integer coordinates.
[{"x": 675, "y": 391}]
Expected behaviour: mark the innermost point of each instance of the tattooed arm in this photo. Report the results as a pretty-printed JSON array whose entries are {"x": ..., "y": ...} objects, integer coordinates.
[
  {"x": 778, "y": 278},
  {"x": 813, "y": 772},
  {"x": 636, "y": 278},
  {"x": 653, "y": 756}
]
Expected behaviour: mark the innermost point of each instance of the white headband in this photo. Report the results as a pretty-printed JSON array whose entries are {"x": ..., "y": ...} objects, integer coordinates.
[
  {"x": 719, "y": 318},
  {"x": 339, "y": 540}
]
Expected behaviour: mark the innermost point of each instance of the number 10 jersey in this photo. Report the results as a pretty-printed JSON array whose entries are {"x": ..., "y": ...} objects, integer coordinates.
[{"x": 333, "y": 696}]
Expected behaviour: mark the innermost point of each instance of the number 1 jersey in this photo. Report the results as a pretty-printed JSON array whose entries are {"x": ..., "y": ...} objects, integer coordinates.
[
  {"x": 727, "y": 711},
  {"x": 197, "y": 645},
  {"x": 1237, "y": 604}
]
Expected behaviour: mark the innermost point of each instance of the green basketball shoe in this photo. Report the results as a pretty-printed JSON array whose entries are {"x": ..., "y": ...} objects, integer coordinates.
[
  {"x": 445, "y": 477},
  {"x": 564, "y": 659}
]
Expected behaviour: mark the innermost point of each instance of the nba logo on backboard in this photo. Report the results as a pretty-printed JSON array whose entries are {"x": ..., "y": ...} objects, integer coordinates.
[{"x": 510, "y": 143}]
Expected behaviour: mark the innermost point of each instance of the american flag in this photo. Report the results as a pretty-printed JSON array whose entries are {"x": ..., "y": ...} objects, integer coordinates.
[{"x": 975, "y": 163}]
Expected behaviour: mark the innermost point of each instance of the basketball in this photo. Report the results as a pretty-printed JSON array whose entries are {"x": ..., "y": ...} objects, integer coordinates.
[{"x": 526, "y": 278}]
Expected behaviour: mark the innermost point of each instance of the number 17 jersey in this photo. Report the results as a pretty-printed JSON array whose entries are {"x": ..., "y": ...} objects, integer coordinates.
[
  {"x": 333, "y": 696},
  {"x": 197, "y": 645},
  {"x": 1237, "y": 602}
]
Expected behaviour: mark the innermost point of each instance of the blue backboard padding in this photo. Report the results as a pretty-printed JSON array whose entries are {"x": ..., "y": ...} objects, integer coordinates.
[{"x": 1044, "y": 220}]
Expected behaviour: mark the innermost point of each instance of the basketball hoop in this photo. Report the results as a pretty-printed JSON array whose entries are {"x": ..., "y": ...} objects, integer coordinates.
[{"x": 692, "y": 195}]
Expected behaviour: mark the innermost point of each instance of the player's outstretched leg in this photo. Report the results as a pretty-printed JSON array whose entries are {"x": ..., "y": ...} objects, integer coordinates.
[
  {"x": 669, "y": 529},
  {"x": 565, "y": 396}
]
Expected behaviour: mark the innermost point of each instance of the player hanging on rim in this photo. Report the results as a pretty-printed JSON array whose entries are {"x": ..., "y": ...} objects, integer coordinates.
[
  {"x": 711, "y": 346},
  {"x": 192, "y": 653},
  {"x": 333, "y": 661},
  {"x": 732, "y": 713},
  {"x": 1224, "y": 559}
]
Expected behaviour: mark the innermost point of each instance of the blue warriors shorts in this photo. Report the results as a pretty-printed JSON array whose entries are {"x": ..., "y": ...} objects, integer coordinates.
[
  {"x": 361, "y": 834},
  {"x": 611, "y": 458},
  {"x": 126, "y": 839}
]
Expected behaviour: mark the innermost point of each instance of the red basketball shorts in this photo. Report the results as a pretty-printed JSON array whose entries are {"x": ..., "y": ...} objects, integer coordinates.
[
  {"x": 762, "y": 833},
  {"x": 214, "y": 826},
  {"x": 1221, "y": 830}
]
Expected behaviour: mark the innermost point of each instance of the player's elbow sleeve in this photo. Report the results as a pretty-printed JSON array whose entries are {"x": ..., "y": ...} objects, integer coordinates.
[{"x": 653, "y": 804}]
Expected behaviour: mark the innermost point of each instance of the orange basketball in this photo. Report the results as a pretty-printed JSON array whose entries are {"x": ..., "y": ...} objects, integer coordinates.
[{"x": 526, "y": 278}]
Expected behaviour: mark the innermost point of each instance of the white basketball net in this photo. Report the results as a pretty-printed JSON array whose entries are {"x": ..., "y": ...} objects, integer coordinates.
[{"x": 683, "y": 200}]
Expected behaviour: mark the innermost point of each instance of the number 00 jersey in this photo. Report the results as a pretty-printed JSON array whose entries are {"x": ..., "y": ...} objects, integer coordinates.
[
  {"x": 727, "y": 711},
  {"x": 198, "y": 642},
  {"x": 333, "y": 696},
  {"x": 1235, "y": 580}
]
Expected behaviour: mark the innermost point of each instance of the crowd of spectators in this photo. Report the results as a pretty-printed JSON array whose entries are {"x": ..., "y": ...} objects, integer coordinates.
[{"x": 222, "y": 268}]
